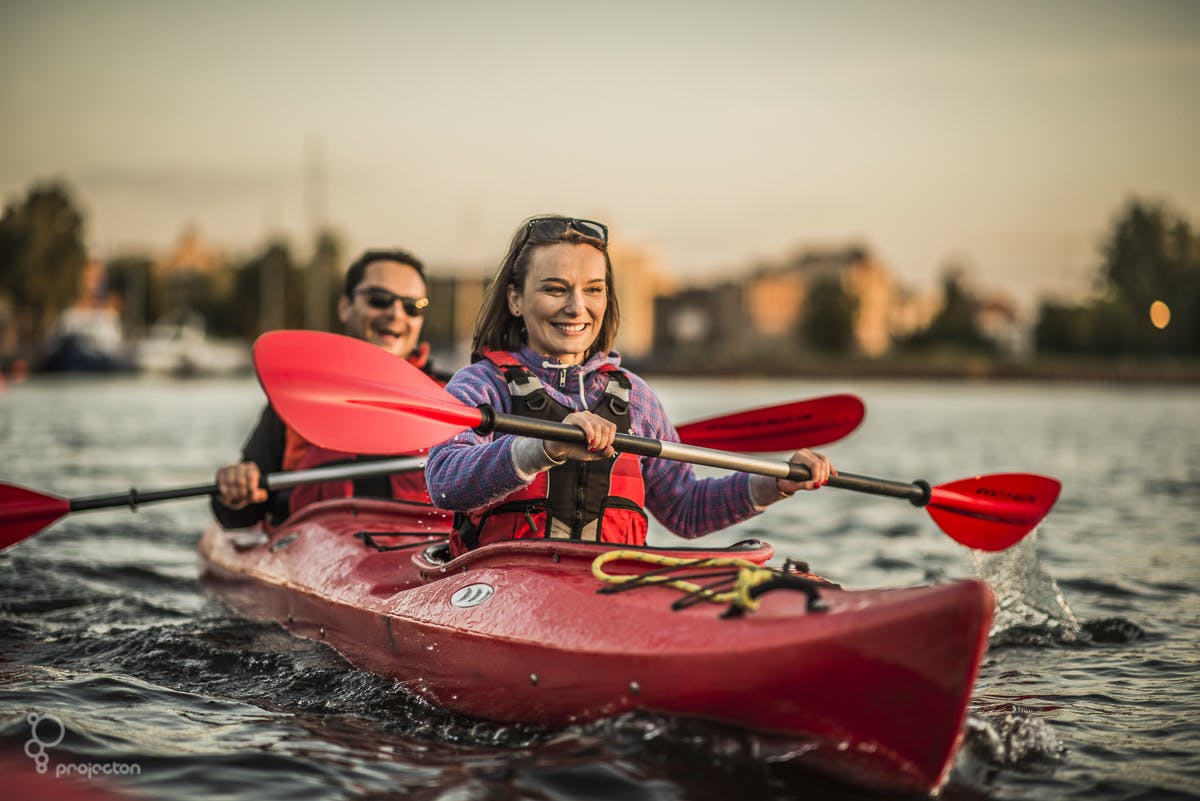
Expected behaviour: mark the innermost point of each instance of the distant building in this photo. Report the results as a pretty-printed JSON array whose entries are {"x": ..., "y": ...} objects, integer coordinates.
[
  {"x": 189, "y": 255},
  {"x": 640, "y": 279},
  {"x": 454, "y": 302},
  {"x": 911, "y": 312},
  {"x": 999, "y": 321},
  {"x": 777, "y": 295},
  {"x": 709, "y": 318}
]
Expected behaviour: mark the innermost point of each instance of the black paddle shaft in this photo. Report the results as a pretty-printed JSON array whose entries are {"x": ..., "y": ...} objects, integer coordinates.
[
  {"x": 341, "y": 472},
  {"x": 916, "y": 492}
]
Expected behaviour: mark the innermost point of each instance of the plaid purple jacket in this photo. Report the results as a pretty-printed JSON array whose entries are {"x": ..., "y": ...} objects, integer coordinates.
[{"x": 473, "y": 470}]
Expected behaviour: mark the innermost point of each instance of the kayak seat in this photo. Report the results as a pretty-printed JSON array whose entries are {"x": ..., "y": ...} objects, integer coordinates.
[{"x": 438, "y": 553}]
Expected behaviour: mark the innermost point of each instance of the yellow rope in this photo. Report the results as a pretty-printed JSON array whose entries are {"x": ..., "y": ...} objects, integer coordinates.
[{"x": 749, "y": 575}]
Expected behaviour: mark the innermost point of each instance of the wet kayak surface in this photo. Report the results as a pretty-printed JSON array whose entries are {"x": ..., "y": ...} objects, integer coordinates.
[{"x": 119, "y": 669}]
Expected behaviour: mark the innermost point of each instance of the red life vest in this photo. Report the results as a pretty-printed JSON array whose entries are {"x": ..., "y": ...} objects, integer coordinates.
[
  {"x": 398, "y": 486},
  {"x": 600, "y": 501},
  {"x": 295, "y": 448}
]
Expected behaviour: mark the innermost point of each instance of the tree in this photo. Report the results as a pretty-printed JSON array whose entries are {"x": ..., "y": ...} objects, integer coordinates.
[
  {"x": 830, "y": 314},
  {"x": 956, "y": 325},
  {"x": 1152, "y": 255},
  {"x": 42, "y": 257},
  {"x": 132, "y": 277},
  {"x": 268, "y": 293},
  {"x": 323, "y": 282}
]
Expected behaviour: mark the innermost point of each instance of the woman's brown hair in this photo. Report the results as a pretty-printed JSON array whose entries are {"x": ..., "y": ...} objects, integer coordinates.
[{"x": 496, "y": 328}]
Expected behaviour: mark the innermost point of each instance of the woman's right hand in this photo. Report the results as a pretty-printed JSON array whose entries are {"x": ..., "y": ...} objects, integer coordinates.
[
  {"x": 600, "y": 435},
  {"x": 238, "y": 487}
]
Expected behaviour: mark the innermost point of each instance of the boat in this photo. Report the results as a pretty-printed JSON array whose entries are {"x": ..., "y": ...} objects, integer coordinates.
[
  {"x": 868, "y": 686},
  {"x": 87, "y": 340},
  {"x": 179, "y": 345}
]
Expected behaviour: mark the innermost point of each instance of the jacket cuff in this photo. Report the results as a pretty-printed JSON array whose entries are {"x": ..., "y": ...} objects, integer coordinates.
[
  {"x": 530, "y": 458},
  {"x": 764, "y": 491}
]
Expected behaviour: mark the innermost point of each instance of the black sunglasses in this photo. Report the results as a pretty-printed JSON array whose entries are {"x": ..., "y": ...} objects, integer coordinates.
[
  {"x": 379, "y": 298},
  {"x": 554, "y": 227}
]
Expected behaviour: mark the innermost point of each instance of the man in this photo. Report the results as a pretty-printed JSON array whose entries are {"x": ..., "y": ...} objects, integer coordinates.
[{"x": 383, "y": 302}]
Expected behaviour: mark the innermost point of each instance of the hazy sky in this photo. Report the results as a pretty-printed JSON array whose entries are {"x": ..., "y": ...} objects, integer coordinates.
[{"x": 1005, "y": 135}]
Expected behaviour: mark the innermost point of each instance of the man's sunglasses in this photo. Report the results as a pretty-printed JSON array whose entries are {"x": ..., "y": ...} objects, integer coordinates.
[
  {"x": 555, "y": 227},
  {"x": 380, "y": 298}
]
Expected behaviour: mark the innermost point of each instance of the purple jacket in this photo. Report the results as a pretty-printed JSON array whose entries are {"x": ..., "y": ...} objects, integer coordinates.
[{"x": 470, "y": 470}]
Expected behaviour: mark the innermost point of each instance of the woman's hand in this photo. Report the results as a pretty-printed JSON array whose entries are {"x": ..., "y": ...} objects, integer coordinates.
[
  {"x": 817, "y": 464},
  {"x": 600, "y": 435},
  {"x": 237, "y": 485}
]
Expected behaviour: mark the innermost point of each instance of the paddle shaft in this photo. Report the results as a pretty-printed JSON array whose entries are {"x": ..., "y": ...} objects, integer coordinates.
[
  {"x": 917, "y": 492},
  {"x": 273, "y": 481}
]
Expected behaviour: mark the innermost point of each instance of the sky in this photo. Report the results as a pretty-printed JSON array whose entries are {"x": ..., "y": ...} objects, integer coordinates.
[{"x": 1004, "y": 137}]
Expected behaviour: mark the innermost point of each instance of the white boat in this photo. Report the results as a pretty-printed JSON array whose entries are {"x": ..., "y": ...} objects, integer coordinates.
[
  {"x": 86, "y": 340},
  {"x": 179, "y": 345}
]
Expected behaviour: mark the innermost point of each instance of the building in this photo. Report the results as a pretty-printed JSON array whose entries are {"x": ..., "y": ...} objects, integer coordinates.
[
  {"x": 640, "y": 280},
  {"x": 777, "y": 296}
]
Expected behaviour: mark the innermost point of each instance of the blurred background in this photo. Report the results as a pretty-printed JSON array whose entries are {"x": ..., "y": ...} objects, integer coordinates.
[{"x": 793, "y": 188}]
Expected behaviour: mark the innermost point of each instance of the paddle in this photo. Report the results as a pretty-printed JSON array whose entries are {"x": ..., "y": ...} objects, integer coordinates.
[
  {"x": 25, "y": 512},
  {"x": 781, "y": 427},
  {"x": 786, "y": 426},
  {"x": 343, "y": 394}
]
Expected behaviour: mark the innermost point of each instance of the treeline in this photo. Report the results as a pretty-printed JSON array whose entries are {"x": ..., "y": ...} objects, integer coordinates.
[
  {"x": 43, "y": 257},
  {"x": 1147, "y": 300}
]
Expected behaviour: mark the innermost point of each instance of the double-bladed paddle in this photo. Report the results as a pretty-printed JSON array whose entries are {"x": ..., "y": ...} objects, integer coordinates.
[
  {"x": 785, "y": 426},
  {"x": 347, "y": 395}
]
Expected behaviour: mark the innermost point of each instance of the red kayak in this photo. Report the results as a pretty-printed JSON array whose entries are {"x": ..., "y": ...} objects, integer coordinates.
[{"x": 871, "y": 686}]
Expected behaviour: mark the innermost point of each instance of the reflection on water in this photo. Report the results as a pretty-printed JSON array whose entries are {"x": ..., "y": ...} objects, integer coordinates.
[{"x": 1088, "y": 690}]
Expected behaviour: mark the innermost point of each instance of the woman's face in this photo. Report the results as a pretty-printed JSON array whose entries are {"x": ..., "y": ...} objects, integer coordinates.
[{"x": 563, "y": 300}]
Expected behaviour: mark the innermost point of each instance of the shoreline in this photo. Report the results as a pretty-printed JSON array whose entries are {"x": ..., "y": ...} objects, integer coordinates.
[{"x": 1124, "y": 372}]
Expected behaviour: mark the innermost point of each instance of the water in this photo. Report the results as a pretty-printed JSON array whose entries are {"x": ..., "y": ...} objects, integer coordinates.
[{"x": 1089, "y": 689}]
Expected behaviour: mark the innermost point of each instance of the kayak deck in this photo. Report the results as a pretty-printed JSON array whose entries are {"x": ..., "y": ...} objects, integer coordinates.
[{"x": 872, "y": 685}]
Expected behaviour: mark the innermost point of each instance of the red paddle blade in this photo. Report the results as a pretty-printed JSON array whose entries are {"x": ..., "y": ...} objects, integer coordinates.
[
  {"x": 991, "y": 513},
  {"x": 784, "y": 427},
  {"x": 348, "y": 395},
  {"x": 24, "y": 513}
]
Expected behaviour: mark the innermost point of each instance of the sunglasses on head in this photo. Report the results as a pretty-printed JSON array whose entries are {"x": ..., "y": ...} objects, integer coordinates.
[
  {"x": 380, "y": 298},
  {"x": 554, "y": 227}
]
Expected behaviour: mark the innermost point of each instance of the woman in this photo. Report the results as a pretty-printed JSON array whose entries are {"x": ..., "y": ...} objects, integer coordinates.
[{"x": 543, "y": 348}]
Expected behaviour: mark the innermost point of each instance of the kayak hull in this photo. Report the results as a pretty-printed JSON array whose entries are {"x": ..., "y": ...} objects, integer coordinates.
[{"x": 872, "y": 688}]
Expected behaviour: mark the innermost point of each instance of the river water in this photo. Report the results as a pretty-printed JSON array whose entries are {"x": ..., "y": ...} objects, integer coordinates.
[{"x": 1091, "y": 687}]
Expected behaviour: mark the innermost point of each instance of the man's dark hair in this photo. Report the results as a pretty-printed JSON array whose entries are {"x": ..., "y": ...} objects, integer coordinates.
[{"x": 355, "y": 272}]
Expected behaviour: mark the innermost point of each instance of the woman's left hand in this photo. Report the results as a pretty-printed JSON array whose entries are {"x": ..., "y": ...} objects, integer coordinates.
[{"x": 817, "y": 464}]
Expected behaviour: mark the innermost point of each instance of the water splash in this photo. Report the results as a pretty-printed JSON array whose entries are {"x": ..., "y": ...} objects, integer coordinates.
[
  {"x": 1007, "y": 736},
  {"x": 1030, "y": 607}
]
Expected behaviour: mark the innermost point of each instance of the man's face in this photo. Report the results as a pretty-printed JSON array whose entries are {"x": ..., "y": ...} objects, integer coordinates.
[{"x": 392, "y": 327}]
